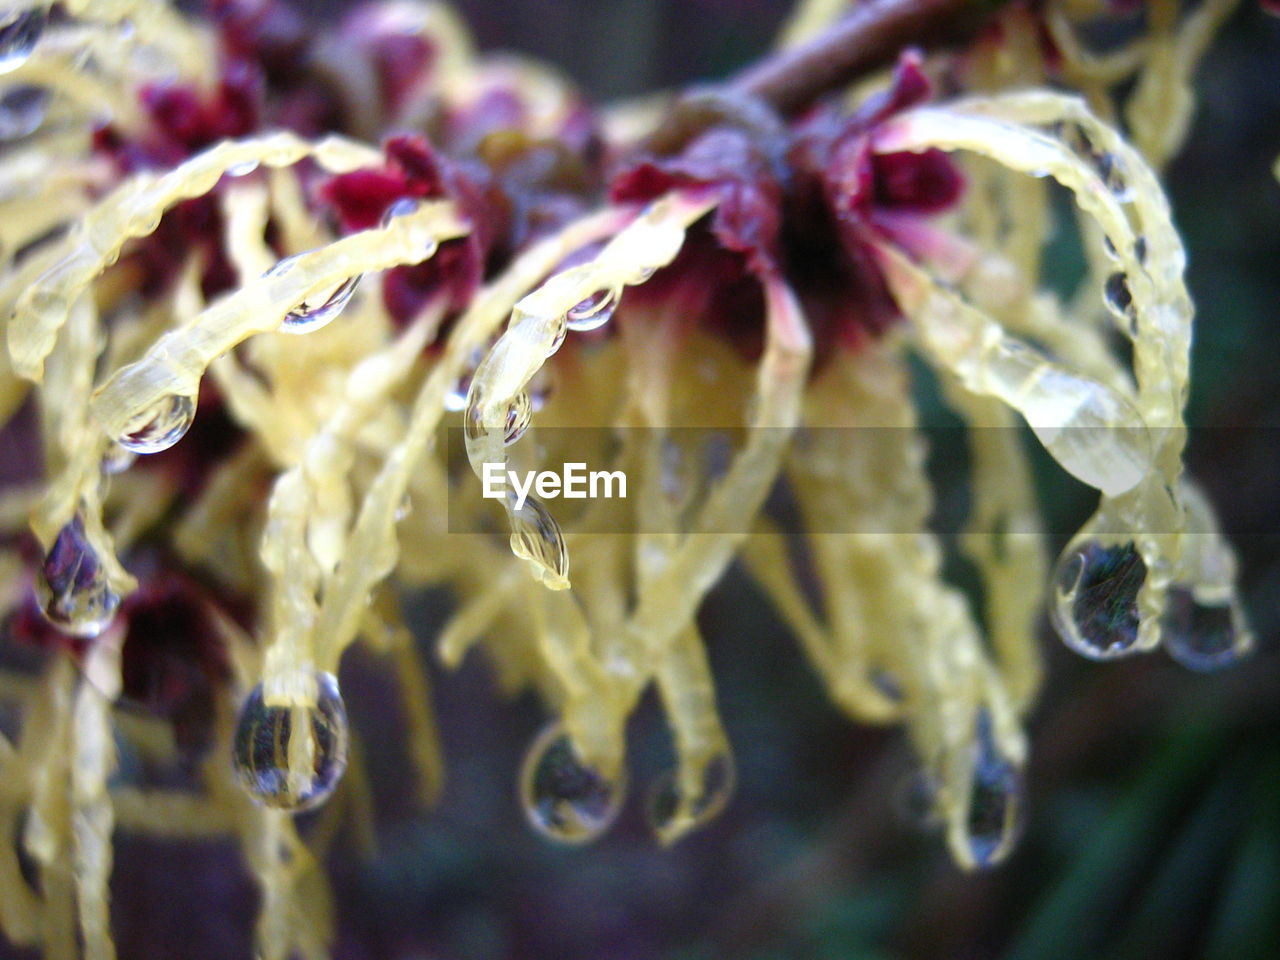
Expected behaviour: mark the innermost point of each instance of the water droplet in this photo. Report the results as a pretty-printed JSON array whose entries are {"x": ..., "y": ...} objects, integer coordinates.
[
  {"x": 472, "y": 419},
  {"x": 1119, "y": 298},
  {"x": 314, "y": 737},
  {"x": 673, "y": 815},
  {"x": 19, "y": 33},
  {"x": 519, "y": 416},
  {"x": 74, "y": 592},
  {"x": 305, "y": 318},
  {"x": 1095, "y": 608},
  {"x": 888, "y": 684},
  {"x": 557, "y": 339},
  {"x": 422, "y": 238},
  {"x": 1111, "y": 172},
  {"x": 401, "y": 208},
  {"x": 994, "y": 817},
  {"x": 242, "y": 169},
  {"x": 161, "y": 425},
  {"x": 536, "y": 536},
  {"x": 1106, "y": 164},
  {"x": 22, "y": 110},
  {"x": 117, "y": 460},
  {"x": 594, "y": 311},
  {"x": 405, "y": 508},
  {"x": 1202, "y": 636},
  {"x": 564, "y": 799}
]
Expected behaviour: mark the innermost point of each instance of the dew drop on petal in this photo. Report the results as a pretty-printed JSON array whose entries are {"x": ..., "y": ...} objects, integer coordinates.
[
  {"x": 1119, "y": 298},
  {"x": 593, "y": 312},
  {"x": 519, "y": 416},
  {"x": 22, "y": 111},
  {"x": 161, "y": 425},
  {"x": 1111, "y": 172},
  {"x": 267, "y": 735},
  {"x": 473, "y": 418},
  {"x": 1202, "y": 636},
  {"x": 404, "y": 509},
  {"x": 20, "y": 31},
  {"x": 305, "y": 318},
  {"x": 563, "y": 798},
  {"x": 72, "y": 588},
  {"x": 557, "y": 339},
  {"x": 994, "y": 817},
  {"x": 242, "y": 169},
  {"x": 400, "y": 208},
  {"x": 672, "y": 816},
  {"x": 889, "y": 686},
  {"x": 1095, "y": 608},
  {"x": 536, "y": 536}
]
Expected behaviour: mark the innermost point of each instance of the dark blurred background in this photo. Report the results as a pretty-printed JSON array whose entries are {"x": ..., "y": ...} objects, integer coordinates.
[{"x": 1154, "y": 824}]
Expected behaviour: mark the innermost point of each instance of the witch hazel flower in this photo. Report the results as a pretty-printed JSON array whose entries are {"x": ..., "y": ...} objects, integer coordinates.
[{"x": 253, "y": 278}]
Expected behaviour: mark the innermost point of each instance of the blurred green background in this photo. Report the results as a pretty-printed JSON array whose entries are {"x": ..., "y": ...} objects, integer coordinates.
[{"x": 1154, "y": 827}]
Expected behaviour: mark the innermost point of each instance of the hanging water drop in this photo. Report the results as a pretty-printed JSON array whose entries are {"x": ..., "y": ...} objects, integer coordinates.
[
  {"x": 519, "y": 416},
  {"x": 20, "y": 31},
  {"x": 994, "y": 816},
  {"x": 1119, "y": 299},
  {"x": 558, "y": 335},
  {"x": 1095, "y": 608},
  {"x": 672, "y": 815},
  {"x": 242, "y": 169},
  {"x": 305, "y": 318},
  {"x": 888, "y": 685},
  {"x": 1202, "y": 636},
  {"x": 404, "y": 207},
  {"x": 535, "y": 536},
  {"x": 404, "y": 509},
  {"x": 291, "y": 756},
  {"x": 564, "y": 799},
  {"x": 593, "y": 312},
  {"x": 400, "y": 208},
  {"x": 161, "y": 425},
  {"x": 74, "y": 592},
  {"x": 1111, "y": 172},
  {"x": 22, "y": 111},
  {"x": 1106, "y": 165}
]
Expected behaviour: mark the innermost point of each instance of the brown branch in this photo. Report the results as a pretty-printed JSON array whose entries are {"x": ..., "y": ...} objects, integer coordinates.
[{"x": 869, "y": 36}]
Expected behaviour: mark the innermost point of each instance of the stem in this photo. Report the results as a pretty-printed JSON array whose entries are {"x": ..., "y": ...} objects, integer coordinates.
[{"x": 869, "y": 36}]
